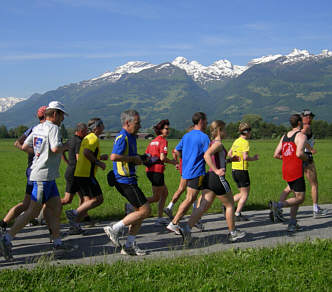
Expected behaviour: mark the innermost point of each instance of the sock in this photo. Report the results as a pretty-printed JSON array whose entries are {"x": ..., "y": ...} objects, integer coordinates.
[
  {"x": 75, "y": 212},
  {"x": 195, "y": 204},
  {"x": 3, "y": 224},
  {"x": 118, "y": 226},
  {"x": 280, "y": 205},
  {"x": 292, "y": 221},
  {"x": 315, "y": 207},
  {"x": 8, "y": 237},
  {"x": 130, "y": 240},
  {"x": 237, "y": 213},
  {"x": 57, "y": 241},
  {"x": 170, "y": 205}
]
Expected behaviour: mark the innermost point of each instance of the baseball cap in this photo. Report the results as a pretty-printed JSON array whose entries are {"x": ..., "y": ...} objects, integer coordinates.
[
  {"x": 41, "y": 111},
  {"x": 57, "y": 105},
  {"x": 307, "y": 112}
]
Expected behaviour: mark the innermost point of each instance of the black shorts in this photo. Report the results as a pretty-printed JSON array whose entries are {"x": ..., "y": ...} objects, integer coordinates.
[
  {"x": 72, "y": 186},
  {"x": 132, "y": 193},
  {"x": 218, "y": 184},
  {"x": 156, "y": 178},
  {"x": 241, "y": 177},
  {"x": 29, "y": 185},
  {"x": 297, "y": 185},
  {"x": 196, "y": 183},
  {"x": 88, "y": 186}
]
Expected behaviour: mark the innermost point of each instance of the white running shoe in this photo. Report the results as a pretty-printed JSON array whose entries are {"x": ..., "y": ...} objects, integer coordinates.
[
  {"x": 113, "y": 235},
  {"x": 133, "y": 250},
  {"x": 174, "y": 228}
]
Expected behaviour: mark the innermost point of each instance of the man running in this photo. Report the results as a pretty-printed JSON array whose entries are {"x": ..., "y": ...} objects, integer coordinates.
[
  {"x": 125, "y": 159},
  {"x": 309, "y": 166},
  {"x": 291, "y": 151},
  {"x": 192, "y": 146},
  {"x": 45, "y": 142},
  {"x": 240, "y": 171},
  {"x": 89, "y": 159},
  {"x": 15, "y": 211}
]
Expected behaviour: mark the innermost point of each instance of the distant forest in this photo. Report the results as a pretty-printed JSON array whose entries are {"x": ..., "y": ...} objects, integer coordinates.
[{"x": 260, "y": 129}]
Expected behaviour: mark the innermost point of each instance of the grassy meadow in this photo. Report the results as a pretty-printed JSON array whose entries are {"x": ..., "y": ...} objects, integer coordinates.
[{"x": 265, "y": 175}]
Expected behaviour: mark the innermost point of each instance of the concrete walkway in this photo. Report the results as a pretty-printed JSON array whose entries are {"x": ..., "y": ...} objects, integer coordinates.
[{"x": 32, "y": 244}]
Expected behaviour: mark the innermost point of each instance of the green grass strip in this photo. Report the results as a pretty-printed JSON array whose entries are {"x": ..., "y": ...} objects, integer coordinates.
[{"x": 293, "y": 267}]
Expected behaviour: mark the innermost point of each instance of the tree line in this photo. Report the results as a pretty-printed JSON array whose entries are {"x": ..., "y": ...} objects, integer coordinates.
[{"x": 260, "y": 129}]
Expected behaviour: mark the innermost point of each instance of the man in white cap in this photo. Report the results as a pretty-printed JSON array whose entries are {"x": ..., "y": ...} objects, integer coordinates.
[{"x": 45, "y": 143}]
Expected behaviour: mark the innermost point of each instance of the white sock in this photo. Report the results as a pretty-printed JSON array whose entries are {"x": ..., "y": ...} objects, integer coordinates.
[
  {"x": 170, "y": 205},
  {"x": 237, "y": 213},
  {"x": 118, "y": 226},
  {"x": 315, "y": 207},
  {"x": 130, "y": 240}
]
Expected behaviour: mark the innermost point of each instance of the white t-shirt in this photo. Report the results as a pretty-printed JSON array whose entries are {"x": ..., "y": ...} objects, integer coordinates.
[{"x": 45, "y": 166}]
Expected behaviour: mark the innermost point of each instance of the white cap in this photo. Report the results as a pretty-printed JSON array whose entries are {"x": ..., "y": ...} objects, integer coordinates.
[{"x": 57, "y": 105}]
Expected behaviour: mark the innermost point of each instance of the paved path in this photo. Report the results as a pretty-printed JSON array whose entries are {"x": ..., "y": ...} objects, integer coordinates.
[{"x": 32, "y": 244}]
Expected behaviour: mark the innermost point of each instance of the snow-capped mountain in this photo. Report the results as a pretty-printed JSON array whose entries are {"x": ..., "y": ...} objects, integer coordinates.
[
  {"x": 8, "y": 102},
  {"x": 219, "y": 70}
]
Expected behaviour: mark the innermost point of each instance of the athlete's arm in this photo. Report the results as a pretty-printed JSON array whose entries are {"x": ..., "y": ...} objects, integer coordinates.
[
  {"x": 216, "y": 147},
  {"x": 249, "y": 158},
  {"x": 300, "y": 141},
  {"x": 277, "y": 151},
  {"x": 126, "y": 158},
  {"x": 27, "y": 148},
  {"x": 20, "y": 141},
  {"x": 93, "y": 159}
]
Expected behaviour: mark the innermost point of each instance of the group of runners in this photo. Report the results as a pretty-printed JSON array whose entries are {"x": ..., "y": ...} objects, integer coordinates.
[{"x": 45, "y": 148}]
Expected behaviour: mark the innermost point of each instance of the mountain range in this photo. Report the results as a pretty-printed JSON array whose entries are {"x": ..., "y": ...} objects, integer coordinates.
[{"x": 273, "y": 86}]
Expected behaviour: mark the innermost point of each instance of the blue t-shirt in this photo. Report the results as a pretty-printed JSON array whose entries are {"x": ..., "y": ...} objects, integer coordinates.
[
  {"x": 193, "y": 146},
  {"x": 125, "y": 144}
]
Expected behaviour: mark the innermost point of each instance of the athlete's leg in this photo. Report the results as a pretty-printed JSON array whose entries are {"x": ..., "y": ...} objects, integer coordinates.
[
  {"x": 185, "y": 205},
  {"x": 206, "y": 200},
  {"x": 228, "y": 201},
  {"x": 241, "y": 198},
  {"x": 15, "y": 211},
  {"x": 52, "y": 212},
  {"x": 68, "y": 198},
  {"x": 311, "y": 175},
  {"x": 181, "y": 188},
  {"x": 284, "y": 194},
  {"x": 134, "y": 219},
  {"x": 162, "y": 201},
  {"x": 88, "y": 204},
  {"x": 295, "y": 203},
  {"x": 21, "y": 221}
]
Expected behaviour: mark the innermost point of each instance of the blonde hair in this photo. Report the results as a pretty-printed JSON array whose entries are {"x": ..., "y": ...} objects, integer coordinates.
[
  {"x": 214, "y": 126},
  {"x": 243, "y": 126}
]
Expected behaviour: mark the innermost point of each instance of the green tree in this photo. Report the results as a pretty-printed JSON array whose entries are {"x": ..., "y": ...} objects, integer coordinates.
[
  {"x": 3, "y": 132},
  {"x": 63, "y": 132}
]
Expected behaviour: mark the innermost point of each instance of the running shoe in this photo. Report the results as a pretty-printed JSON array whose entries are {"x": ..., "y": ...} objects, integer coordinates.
[
  {"x": 161, "y": 222},
  {"x": 240, "y": 218},
  {"x": 174, "y": 228},
  {"x": 6, "y": 249},
  {"x": 169, "y": 213},
  {"x": 200, "y": 226},
  {"x": 236, "y": 235},
  {"x": 113, "y": 235},
  {"x": 274, "y": 211},
  {"x": 129, "y": 208},
  {"x": 63, "y": 248},
  {"x": 280, "y": 216},
  {"x": 294, "y": 227},
  {"x": 71, "y": 216},
  {"x": 320, "y": 213},
  {"x": 186, "y": 236},
  {"x": 75, "y": 230},
  {"x": 133, "y": 250}
]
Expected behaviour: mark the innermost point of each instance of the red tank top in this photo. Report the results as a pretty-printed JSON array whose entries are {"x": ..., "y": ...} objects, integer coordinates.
[
  {"x": 292, "y": 167},
  {"x": 219, "y": 158}
]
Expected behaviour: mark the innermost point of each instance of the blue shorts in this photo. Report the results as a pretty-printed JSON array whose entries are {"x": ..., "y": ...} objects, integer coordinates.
[{"x": 44, "y": 190}]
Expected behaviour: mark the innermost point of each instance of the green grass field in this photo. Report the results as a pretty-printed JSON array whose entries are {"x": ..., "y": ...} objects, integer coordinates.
[
  {"x": 293, "y": 267},
  {"x": 265, "y": 175}
]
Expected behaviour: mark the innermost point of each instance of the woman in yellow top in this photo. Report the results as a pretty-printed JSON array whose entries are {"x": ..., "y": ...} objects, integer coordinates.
[{"x": 240, "y": 172}]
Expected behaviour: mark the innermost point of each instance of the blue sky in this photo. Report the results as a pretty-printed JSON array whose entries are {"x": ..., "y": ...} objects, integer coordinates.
[{"x": 48, "y": 43}]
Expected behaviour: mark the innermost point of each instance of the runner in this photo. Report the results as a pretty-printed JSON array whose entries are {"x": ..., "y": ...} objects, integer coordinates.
[
  {"x": 240, "y": 172},
  {"x": 155, "y": 173},
  {"x": 15, "y": 211},
  {"x": 182, "y": 185},
  {"x": 125, "y": 159},
  {"x": 291, "y": 151},
  {"x": 192, "y": 148},
  {"x": 45, "y": 142},
  {"x": 309, "y": 167},
  {"x": 215, "y": 184},
  {"x": 85, "y": 175}
]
